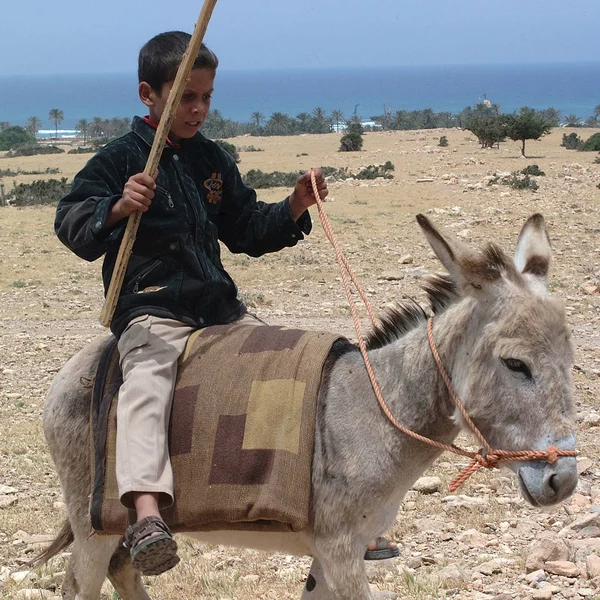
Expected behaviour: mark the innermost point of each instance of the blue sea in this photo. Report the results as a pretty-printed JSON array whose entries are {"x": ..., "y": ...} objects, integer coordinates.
[{"x": 572, "y": 88}]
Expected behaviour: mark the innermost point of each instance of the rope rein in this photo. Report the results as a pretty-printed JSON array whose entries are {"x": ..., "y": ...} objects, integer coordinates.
[{"x": 486, "y": 457}]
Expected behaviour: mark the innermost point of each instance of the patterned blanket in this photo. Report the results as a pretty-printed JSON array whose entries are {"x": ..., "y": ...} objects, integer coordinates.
[{"x": 241, "y": 433}]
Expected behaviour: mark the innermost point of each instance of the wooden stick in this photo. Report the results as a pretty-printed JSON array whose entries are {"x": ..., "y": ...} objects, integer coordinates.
[{"x": 166, "y": 120}]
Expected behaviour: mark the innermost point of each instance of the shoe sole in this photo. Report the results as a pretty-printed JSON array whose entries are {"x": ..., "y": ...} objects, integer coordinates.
[{"x": 155, "y": 556}]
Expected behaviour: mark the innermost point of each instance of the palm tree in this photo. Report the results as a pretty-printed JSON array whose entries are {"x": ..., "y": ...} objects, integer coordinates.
[
  {"x": 97, "y": 127},
  {"x": 321, "y": 121},
  {"x": 83, "y": 129},
  {"x": 572, "y": 121},
  {"x": 257, "y": 119},
  {"x": 303, "y": 121},
  {"x": 57, "y": 116},
  {"x": 33, "y": 125},
  {"x": 337, "y": 117},
  {"x": 279, "y": 123}
]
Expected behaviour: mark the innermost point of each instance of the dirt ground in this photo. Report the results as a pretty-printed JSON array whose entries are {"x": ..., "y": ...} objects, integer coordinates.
[{"x": 50, "y": 301}]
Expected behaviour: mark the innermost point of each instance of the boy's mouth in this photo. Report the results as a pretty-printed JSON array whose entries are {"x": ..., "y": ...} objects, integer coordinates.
[{"x": 194, "y": 123}]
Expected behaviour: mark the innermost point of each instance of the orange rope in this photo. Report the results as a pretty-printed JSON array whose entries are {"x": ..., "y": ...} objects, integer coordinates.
[{"x": 491, "y": 458}]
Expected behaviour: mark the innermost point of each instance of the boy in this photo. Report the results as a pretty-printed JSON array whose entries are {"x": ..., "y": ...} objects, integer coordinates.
[{"x": 175, "y": 281}]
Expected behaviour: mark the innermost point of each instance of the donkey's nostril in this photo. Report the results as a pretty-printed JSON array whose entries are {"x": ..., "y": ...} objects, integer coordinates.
[{"x": 554, "y": 483}]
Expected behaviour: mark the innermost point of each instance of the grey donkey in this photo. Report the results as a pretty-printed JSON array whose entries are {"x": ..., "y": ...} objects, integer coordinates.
[{"x": 506, "y": 345}]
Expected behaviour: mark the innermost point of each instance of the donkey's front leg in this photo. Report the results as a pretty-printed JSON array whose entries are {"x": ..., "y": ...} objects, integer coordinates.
[
  {"x": 316, "y": 587},
  {"x": 342, "y": 572}
]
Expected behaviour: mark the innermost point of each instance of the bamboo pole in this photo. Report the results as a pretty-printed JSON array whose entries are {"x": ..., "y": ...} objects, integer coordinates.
[{"x": 166, "y": 120}]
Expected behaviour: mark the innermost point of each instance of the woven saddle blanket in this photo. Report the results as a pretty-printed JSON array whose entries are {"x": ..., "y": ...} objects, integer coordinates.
[{"x": 241, "y": 431}]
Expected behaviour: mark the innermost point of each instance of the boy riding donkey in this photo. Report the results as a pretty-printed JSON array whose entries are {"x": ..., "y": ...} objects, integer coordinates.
[{"x": 175, "y": 282}]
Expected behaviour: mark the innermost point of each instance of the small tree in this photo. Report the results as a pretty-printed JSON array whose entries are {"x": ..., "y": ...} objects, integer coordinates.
[
  {"x": 490, "y": 130},
  {"x": 527, "y": 125}
]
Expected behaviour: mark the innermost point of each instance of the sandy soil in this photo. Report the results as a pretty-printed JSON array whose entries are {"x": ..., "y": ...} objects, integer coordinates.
[{"x": 50, "y": 302}]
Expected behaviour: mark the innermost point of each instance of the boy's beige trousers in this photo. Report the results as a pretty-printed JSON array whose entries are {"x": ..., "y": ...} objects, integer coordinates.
[{"x": 149, "y": 349}]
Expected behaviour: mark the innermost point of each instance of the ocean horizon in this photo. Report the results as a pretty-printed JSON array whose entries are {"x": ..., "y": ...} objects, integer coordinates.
[{"x": 571, "y": 88}]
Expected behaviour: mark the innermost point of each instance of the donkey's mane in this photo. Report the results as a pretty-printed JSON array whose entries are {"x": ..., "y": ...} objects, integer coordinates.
[{"x": 400, "y": 319}]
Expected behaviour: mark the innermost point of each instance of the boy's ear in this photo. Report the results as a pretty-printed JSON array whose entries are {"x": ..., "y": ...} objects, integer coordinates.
[{"x": 146, "y": 93}]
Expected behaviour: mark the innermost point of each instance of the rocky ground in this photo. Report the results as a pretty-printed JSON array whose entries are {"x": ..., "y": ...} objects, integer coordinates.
[{"x": 485, "y": 542}]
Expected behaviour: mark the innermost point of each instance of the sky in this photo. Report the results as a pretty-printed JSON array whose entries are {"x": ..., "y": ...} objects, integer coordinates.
[{"x": 72, "y": 37}]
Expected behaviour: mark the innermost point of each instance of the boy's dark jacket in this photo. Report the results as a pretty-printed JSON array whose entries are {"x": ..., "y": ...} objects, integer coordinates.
[{"x": 175, "y": 269}]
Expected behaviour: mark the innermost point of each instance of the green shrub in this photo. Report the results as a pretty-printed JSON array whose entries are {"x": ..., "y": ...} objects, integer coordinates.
[
  {"x": 519, "y": 182},
  {"x": 11, "y": 173},
  {"x": 571, "y": 141},
  {"x": 257, "y": 179},
  {"x": 46, "y": 191},
  {"x": 351, "y": 142},
  {"x": 592, "y": 144},
  {"x": 374, "y": 171},
  {"x": 229, "y": 148},
  {"x": 13, "y": 137},
  {"x": 443, "y": 141},
  {"x": 34, "y": 149},
  {"x": 82, "y": 150},
  {"x": 533, "y": 170}
]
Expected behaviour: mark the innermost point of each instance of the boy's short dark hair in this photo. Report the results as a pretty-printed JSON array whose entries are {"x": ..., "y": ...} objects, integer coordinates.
[{"x": 160, "y": 57}]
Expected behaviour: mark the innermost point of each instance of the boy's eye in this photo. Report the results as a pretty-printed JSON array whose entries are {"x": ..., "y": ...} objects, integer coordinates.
[{"x": 207, "y": 96}]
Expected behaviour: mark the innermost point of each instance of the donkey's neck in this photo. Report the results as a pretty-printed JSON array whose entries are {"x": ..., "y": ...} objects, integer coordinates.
[{"x": 410, "y": 379}]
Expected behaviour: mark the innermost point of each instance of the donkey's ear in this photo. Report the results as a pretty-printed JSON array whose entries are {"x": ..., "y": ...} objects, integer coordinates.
[
  {"x": 469, "y": 269},
  {"x": 533, "y": 254}
]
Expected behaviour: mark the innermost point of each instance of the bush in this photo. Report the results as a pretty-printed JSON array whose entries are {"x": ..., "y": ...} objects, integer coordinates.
[
  {"x": 11, "y": 173},
  {"x": 592, "y": 144},
  {"x": 82, "y": 150},
  {"x": 571, "y": 141},
  {"x": 257, "y": 179},
  {"x": 443, "y": 141},
  {"x": 229, "y": 148},
  {"x": 374, "y": 171},
  {"x": 533, "y": 170},
  {"x": 13, "y": 137},
  {"x": 517, "y": 182},
  {"x": 46, "y": 191},
  {"x": 34, "y": 149},
  {"x": 351, "y": 142}
]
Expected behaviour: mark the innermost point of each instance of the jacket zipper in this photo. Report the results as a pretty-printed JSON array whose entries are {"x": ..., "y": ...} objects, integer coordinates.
[
  {"x": 144, "y": 274},
  {"x": 167, "y": 194}
]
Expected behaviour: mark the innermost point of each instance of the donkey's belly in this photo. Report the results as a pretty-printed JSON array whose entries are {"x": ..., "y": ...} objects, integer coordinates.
[{"x": 272, "y": 541}]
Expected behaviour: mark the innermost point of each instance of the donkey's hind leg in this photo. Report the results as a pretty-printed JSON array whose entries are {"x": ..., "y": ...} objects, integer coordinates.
[
  {"x": 125, "y": 579},
  {"x": 88, "y": 567}
]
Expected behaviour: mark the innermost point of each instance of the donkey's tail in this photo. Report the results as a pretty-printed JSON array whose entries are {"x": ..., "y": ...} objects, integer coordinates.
[{"x": 63, "y": 540}]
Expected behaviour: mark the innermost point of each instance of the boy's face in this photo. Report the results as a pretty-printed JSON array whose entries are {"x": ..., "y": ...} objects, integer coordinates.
[{"x": 194, "y": 105}]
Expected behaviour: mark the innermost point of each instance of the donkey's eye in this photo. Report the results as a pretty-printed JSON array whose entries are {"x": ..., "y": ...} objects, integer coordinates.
[{"x": 518, "y": 366}]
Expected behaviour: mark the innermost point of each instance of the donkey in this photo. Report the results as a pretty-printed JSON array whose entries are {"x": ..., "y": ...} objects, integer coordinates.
[{"x": 505, "y": 344}]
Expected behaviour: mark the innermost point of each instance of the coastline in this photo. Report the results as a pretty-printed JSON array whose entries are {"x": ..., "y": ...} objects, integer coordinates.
[{"x": 569, "y": 87}]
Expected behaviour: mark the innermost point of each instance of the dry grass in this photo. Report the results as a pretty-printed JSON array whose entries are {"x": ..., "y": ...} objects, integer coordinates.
[{"x": 50, "y": 301}]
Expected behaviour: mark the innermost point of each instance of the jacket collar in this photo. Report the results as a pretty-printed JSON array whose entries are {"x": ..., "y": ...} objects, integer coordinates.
[{"x": 147, "y": 132}]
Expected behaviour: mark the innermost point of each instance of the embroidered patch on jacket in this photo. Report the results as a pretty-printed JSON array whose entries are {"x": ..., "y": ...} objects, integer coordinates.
[{"x": 214, "y": 185}]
